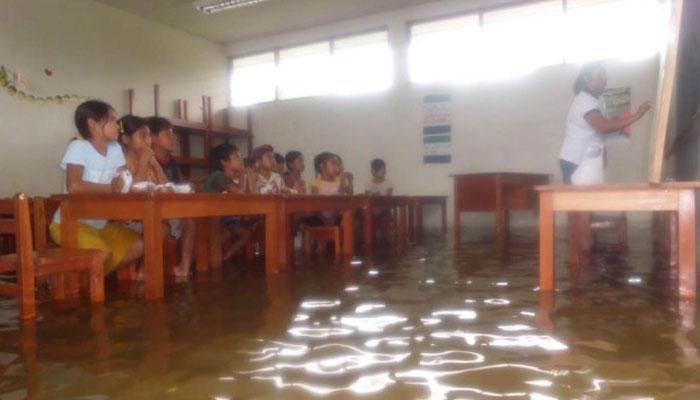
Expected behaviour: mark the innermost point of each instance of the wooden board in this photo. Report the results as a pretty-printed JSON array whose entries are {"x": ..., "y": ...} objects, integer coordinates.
[{"x": 664, "y": 97}]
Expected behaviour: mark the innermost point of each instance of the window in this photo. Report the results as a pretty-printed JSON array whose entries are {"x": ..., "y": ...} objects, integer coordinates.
[
  {"x": 519, "y": 39},
  {"x": 253, "y": 79},
  {"x": 362, "y": 64},
  {"x": 446, "y": 51},
  {"x": 622, "y": 29},
  {"x": 304, "y": 71}
]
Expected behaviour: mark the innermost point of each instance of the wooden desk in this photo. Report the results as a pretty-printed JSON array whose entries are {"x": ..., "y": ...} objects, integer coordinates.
[
  {"x": 153, "y": 208},
  {"x": 418, "y": 207},
  {"x": 309, "y": 204},
  {"x": 498, "y": 192},
  {"x": 673, "y": 196}
]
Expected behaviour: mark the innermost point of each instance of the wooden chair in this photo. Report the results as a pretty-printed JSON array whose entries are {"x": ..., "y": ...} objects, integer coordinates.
[
  {"x": 30, "y": 265},
  {"x": 43, "y": 210},
  {"x": 321, "y": 235}
]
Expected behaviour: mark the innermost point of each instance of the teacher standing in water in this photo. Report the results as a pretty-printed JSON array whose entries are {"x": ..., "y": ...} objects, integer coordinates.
[{"x": 586, "y": 126}]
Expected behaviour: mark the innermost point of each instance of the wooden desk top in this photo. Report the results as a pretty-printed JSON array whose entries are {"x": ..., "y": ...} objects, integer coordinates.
[
  {"x": 511, "y": 174},
  {"x": 619, "y": 187}
]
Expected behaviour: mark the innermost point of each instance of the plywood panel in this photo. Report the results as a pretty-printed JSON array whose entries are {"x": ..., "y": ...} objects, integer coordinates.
[{"x": 667, "y": 79}]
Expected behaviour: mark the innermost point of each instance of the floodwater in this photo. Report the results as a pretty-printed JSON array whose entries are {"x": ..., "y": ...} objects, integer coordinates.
[{"x": 432, "y": 323}]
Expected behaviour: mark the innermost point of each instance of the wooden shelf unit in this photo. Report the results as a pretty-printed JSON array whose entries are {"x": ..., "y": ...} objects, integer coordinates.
[
  {"x": 207, "y": 136},
  {"x": 206, "y": 133}
]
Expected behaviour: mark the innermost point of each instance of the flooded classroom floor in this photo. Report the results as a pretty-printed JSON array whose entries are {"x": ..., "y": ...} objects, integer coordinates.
[{"x": 432, "y": 323}]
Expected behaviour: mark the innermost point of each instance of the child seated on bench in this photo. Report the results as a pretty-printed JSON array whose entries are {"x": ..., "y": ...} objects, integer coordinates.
[
  {"x": 295, "y": 167},
  {"x": 267, "y": 181},
  {"x": 136, "y": 138},
  {"x": 229, "y": 175},
  {"x": 327, "y": 182},
  {"x": 379, "y": 185},
  {"x": 93, "y": 164}
]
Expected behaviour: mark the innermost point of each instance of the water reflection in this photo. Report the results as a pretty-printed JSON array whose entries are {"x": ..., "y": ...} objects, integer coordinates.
[{"x": 433, "y": 324}]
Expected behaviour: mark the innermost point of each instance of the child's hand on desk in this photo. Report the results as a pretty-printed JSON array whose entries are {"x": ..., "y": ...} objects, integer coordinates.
[{"x": 117, "y": 184}]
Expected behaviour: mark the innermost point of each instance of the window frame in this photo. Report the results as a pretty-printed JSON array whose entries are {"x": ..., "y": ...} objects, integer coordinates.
[{"x": 277, "y": 49}]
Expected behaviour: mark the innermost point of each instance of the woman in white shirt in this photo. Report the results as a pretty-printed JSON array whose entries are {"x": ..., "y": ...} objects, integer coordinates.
[{"x": 586, "y": 126}]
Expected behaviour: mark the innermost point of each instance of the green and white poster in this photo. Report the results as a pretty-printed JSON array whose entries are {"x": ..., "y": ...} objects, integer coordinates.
[{"x": 437, "y": 129}]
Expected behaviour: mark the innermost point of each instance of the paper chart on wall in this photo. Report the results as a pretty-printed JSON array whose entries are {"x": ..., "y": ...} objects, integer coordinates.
[
  {"x": 616, "y": 103},
  {"x": 437, "y": 129}
]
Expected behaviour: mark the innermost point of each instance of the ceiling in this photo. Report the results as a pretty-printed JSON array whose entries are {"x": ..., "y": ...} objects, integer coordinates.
[{"x": 267, "y": 18}]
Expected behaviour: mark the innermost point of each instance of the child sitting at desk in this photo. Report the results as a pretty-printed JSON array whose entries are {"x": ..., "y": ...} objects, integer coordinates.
[
  {"x": 346, "y": 178},
  {"x": 93, "y": 165},
  {"x": 327, "y": 182},
  {"x": 279, "y": 164},
  {"x": 295, "y": 167},
  {"x": 378, "y": 185},
  {"x": 136, "y": 139},
  {"x": 229, "y": 175},
  {"x": 267, "y": 181},
  {"x": 164, "y": 141}
]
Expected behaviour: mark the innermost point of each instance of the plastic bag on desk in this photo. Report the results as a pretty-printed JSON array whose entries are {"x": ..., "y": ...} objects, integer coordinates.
[{"x": 591, "y": 171}]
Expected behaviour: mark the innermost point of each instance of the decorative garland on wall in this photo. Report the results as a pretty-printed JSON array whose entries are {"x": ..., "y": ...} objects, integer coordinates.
[{"x": 15, "y": 85}]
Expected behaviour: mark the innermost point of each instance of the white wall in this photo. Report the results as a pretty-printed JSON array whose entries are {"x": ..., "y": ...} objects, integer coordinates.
[
  {"x": 97, "y": 51},
  {"x": 515, "y": 125}
]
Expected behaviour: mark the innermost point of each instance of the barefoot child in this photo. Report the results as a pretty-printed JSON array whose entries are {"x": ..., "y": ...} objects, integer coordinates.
[
  {"x": 93, "y": 165},
  {"x": 229, "y": 175},
  {"x": 163, "y": 142}
]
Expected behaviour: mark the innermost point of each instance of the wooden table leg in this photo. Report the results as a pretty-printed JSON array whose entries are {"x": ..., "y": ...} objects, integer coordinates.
[
  {"x": 403, "y": 226},
  {"x": 368, "y": 227},
  {"x": 419, "y": 221},
  {"x": 546, "y": 306},
  {"x": 153, "y": 252},
  {"x": 546, "y": 242},
  {"x": 69, "y": 241},
  {"x": 215, "y": 245},
  {"x": 686, "y": 248},
  {"x": 202, "y": 245},
  {"x": 443, "y": 211},
  {"x": 283, "y": 221},
  {"x": 348, "y": 226},
  {"x": 501, "y": 217},
  {"x": 457, "y": 225},
  {"x": 412, "y": 220},
  {"x": 68, "y": 284},
  {"x": 271, "y": 243},
  {"x": 502, "y": 222}
]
